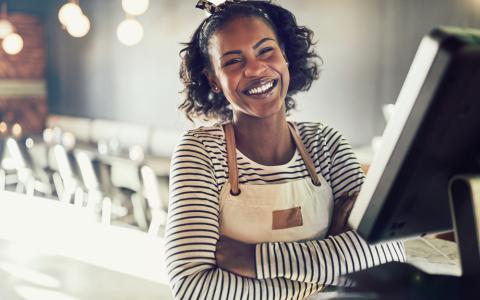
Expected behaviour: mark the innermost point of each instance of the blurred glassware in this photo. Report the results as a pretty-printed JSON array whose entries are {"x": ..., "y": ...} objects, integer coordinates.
[
  {"x": 113, "y": 146},
  {"x": 48, "y": 136},
  {"x": 388, "y": 110},
  {"x": 136, "y": 153},
  {"x": 68, "y": 140},
  {"x": 102, "y": 147},
  {"x": 29, "y": 143},
  {"x": 57, "y": 135},
  {"x": 151, "y": 191},
  {"x": 67, "y": 184},
  {"x": 135, "y": 7},
  {"x": 130, "y": 32}
]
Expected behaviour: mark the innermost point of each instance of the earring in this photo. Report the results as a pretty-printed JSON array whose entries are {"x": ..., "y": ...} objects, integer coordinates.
[{"x": 215, "y": 89}]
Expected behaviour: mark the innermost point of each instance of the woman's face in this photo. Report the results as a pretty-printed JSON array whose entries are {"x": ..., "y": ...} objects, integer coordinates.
[{"x": 249, "y": 67}]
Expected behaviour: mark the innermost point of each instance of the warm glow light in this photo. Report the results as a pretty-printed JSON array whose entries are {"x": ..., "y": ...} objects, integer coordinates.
[
  {"x": 135, "y": 7},
  {"x": 16, "y": 130},
  {"x": 130, "y": 32},
  {"x": 3, "y": 127},
  {"x": 68, "y": 12},
  {"x": 12, "y": 44},
  {"x": 78, "y": 26},
  {"x": 5, "y": 28}
]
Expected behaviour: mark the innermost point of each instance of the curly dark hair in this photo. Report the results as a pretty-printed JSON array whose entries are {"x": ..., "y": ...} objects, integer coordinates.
[{"x": 296, "y": 41}]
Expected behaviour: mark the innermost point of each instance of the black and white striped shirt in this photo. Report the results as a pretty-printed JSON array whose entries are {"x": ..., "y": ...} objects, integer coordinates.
[{"x": 285, "y": 270}]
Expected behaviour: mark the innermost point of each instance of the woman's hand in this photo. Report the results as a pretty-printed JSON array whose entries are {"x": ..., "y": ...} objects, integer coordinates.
[
  {"x": 341, "y": 212},
  {"x": 236, "y": 257}
]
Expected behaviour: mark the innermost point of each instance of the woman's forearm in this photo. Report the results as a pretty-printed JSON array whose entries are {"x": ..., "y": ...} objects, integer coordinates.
[{"x": 323, "y": 261}]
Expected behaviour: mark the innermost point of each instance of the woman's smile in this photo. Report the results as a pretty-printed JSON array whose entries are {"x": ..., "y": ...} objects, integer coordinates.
[{"x": 261, "y": 88}]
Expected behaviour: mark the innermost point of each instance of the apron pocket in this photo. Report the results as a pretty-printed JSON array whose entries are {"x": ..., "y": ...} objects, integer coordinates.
[{"x": 287, "y": 218}]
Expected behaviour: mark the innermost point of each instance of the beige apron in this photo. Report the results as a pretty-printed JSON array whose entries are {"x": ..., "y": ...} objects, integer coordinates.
[{"x": 298, "y": 210}]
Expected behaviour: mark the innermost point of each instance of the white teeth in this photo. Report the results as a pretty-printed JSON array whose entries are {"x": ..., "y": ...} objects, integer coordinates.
[{"x": 260, "y": 89}]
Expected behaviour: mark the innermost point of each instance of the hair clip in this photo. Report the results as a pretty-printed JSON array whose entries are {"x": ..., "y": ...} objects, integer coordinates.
[
  {"x": 212, "y": 8},
  {"x": 207, "y": 6}
]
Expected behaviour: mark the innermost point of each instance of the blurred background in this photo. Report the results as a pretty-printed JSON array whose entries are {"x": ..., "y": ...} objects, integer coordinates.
[{"x": 89, "y": 92}]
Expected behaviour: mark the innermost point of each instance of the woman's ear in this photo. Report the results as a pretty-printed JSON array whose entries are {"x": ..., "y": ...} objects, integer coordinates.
[{"x": 212, "y": 81}]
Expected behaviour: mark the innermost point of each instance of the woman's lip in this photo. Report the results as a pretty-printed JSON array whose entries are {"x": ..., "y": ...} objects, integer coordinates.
[
  {"x": 275, "y": 82},
  {"x": 258, "y": 83}
]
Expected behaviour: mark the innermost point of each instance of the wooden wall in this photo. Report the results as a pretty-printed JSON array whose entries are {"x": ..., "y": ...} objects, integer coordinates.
[{"x": 22, "y": 77}]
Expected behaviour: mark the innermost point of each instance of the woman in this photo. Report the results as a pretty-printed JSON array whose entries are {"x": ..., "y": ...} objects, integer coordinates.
[{"x": 252, "y": 198}]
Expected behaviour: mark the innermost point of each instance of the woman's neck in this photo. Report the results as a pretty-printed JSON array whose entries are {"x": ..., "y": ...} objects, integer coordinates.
[{"x": 264, "y": 140}]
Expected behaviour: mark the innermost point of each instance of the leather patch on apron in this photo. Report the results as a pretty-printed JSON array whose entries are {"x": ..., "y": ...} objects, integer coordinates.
[{"x": 287, "y": 218}]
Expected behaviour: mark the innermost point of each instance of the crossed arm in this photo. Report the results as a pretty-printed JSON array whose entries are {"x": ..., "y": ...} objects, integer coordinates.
[
  {"x": 203, "y": 265},
  {"x": 268, "y": 260}
]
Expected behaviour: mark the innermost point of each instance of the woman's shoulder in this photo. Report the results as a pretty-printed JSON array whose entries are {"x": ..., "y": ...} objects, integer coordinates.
[
  {"x": 206, "y": 132},
  {"x": 203, "y": 137},
  {"x": 317, "y": 129},
  {"x": 320, "y": 136}
]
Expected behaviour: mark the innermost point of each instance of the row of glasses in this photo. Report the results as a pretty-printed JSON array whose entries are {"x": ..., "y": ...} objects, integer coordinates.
[{"x": 54, "y": 167}]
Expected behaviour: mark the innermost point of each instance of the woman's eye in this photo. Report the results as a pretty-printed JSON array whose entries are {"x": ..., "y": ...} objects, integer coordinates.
[
  {"x": 231, "y": 62},
  {"x": 265, "y": 50}
]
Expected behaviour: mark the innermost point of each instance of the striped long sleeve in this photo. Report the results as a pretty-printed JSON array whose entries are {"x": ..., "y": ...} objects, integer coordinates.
[
  {"x": 323, "y": 261},
  {"x": 192, "y": 233}
]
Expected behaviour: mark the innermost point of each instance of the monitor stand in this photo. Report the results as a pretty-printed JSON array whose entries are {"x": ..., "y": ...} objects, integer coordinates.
[
  {"x": 465, "y": 208},
  {"x": 403, "y": 281}
]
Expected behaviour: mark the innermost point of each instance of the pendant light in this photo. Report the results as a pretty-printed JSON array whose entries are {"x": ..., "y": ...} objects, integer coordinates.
[
  {"x": 12, "y": 42},
  {"x": 135, "y": 7},
  {"x": 130, "y": 32},
  {"x": 72, "y": 18}
]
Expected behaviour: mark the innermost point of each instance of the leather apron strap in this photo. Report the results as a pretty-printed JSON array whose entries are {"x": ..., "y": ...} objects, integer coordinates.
[
  {"x": 305, "y": 155},
  {"x": 232, "y": 157}
]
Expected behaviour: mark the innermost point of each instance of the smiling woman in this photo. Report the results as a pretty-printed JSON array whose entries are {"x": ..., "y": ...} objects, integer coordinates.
[
  {"x": 295, "y": 43},
  {"x": 249, "y": 65},
  {"x": 258, "y": 205}
]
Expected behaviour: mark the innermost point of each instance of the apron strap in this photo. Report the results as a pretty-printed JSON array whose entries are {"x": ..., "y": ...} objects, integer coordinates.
[
  {"x": 232, "y": 157},
  {"x": 304, "y": 153}
]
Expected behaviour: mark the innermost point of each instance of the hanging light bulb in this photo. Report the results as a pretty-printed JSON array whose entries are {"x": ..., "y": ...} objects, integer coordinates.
[
  {"x": 5, "y": 28},
  {"x": 78, "y": 26},
  {"x": 135, "y": 7},
  {"x": 12, "y": 44},
  {"x": 69, "y": 12},
  {"x": 130, "y": 32}
]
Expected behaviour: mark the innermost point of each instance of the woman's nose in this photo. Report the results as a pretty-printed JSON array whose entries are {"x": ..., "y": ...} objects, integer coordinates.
[{"x": 254, "y": 68}]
